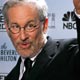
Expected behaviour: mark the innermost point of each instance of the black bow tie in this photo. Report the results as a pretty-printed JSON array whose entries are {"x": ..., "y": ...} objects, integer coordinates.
[{"x": 28, "y": 66}]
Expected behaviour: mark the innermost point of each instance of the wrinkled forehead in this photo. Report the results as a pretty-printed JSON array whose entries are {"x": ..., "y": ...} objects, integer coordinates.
[
  {"x": 24, "y": 7},
  {"x": 23, "y": 12}
]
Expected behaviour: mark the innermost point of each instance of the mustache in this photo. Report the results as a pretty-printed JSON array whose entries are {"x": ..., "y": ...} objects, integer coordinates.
[{"x": 24, "y": 42}]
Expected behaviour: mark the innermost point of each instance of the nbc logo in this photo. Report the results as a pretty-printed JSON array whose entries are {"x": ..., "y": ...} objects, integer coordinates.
[{"x": 69, "y": 20}]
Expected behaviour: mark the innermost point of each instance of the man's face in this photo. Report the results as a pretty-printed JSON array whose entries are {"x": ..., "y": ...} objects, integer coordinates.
[{"x": 26, "y": 43}]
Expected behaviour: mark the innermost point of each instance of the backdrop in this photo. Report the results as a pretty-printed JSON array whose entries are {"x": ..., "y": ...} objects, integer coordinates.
[{"x": 61, "y": 25}]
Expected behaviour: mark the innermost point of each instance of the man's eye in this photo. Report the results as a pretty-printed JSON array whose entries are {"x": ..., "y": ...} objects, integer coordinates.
[
  {"x": 14, "y": 26},
  {"x": 31, "y": 25}
]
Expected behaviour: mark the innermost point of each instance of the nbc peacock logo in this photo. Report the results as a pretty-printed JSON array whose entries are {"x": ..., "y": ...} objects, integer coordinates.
[{"x": 69, "y": 20}]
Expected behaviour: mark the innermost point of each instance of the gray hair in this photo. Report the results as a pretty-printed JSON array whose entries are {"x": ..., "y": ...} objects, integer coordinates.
[{"x": 40, "y": 5}]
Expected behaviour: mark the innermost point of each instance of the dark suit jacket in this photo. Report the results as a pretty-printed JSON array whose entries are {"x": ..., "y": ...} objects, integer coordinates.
[
  {"x": 78, "y": 29},
  {"x": 57, "y": 61}
]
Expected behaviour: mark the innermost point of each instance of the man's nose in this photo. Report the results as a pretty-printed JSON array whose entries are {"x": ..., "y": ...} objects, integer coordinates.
[{"x": 23, "y": 34}]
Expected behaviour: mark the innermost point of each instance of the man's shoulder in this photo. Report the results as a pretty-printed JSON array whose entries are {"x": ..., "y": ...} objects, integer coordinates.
[
  {"x": 63, "y": 42},
  {"x": 57, "y": 46},
  {"x": 67, "y": 46},
  {"x": 14, "y": 71}
]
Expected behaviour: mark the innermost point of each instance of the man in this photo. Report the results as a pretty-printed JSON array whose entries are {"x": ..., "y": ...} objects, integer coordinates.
[
  {"x": 26, "y": 23},
  {"x": 77, "y": 16},
  {"x": 77, "y": 12}
]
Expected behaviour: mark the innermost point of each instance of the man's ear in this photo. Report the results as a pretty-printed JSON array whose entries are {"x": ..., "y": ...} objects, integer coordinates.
[{"x": 45, "y": 25}]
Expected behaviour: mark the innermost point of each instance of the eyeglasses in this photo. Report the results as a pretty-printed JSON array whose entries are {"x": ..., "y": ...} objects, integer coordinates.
[{"x": 29, "y": 27}]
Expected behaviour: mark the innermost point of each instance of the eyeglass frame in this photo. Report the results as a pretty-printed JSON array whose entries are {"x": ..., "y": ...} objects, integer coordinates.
[{"x": 34, "y": 27}]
